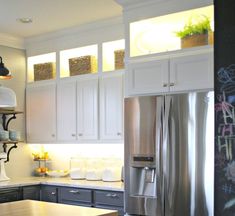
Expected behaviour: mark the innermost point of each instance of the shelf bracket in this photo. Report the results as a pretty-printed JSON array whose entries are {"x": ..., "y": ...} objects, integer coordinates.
[
  {"x": 9, "y": 150},
  {"x": 6, "y": 122}
]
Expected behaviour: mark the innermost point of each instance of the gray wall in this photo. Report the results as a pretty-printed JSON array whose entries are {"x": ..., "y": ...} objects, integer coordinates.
[{"x": 20, "y": 158}]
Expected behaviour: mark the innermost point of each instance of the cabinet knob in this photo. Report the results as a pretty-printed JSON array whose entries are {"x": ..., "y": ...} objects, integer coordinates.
[
  {"x": 172, "y": 84},
  {"x": 119, "y": 134},
  {"x": 164, "y": 85},
  {"x": 53, "y": 135},
  {"x": 80, "y": 134},
  {"x": 73, "y": 135}
]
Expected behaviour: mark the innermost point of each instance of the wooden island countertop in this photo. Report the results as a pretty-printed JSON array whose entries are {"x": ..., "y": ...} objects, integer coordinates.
[{"x": 39, "y": 208}]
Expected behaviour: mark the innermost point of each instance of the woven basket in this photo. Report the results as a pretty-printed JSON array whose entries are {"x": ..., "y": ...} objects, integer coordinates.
[
  {"x": 195, "y": 40},
  {"x": 44, "y": 71},
  {"x": 82, "y": 65},
  {"x": 119, "y": 59}
]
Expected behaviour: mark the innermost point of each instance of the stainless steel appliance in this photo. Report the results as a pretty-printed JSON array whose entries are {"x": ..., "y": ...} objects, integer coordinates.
[{"x": 169, "y": 155}]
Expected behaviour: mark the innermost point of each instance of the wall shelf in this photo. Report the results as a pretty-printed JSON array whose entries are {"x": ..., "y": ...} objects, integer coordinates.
[
  {"x": 7, "y": 116},
  {"x": 5, "y": 120}
]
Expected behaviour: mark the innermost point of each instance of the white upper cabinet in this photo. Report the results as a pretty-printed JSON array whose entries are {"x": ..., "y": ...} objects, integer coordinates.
[
  {"x": 179, "y": 72},
  {"x": 87, "y": 109},
  {"x": 147, "y": 77},
  {"x": 191, "y": 72},
  {"x": 41, "y": 113},
  {"x": 111, "y": 107},
  {"x": 66, "y": 111}
]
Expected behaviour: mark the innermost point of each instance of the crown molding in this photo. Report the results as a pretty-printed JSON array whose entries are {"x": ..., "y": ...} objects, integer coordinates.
[
  {"x": 11, "y": 41},
  {"x": 75, "y": 30},
  {"x": 128, "y": 4}
]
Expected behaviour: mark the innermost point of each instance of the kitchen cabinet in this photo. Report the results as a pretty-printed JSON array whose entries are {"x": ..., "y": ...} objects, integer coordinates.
[
  {"x": 77, "y": 109},
  {"x": 111, "y": 107},
  {"x": 109, "y": 200},
  {"x": 41, "y": 112},
  {"x": 10, "y": 194},
  {"x": 31, "y": 192},
  {"x": 87, "y": 109},
  {"x": 75, "y": 196},
  {"x": 84, "y": 197},
  {"x": 66, "y": 111},
  {"x": 175, "y": 72},
  {"x": 49, "y": 193}
]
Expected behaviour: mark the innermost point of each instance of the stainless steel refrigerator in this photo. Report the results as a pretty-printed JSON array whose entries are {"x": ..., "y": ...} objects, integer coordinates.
[{"x": 169, "y": 155}]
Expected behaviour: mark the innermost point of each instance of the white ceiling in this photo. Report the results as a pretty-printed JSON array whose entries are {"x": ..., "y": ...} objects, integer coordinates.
[{"x": 52, "y": 15}]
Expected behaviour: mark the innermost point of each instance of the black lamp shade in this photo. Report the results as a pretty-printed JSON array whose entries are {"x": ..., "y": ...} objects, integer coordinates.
[{"x": 4, "y": 72}]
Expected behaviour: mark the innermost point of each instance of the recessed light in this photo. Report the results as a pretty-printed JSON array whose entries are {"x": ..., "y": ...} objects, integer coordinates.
[{"x": 25, "y": 20}]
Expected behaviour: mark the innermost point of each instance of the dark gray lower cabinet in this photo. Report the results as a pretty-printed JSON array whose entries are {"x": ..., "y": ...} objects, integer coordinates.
[
  {"x": 109, "y": 200},
  {"x": 49, "y": 193},
  {"x": 67, "y": 195},
  {"x": 10, "y": 194},
  {"x": 31, "y": 192},
  {"x": 75, "y": 196}
]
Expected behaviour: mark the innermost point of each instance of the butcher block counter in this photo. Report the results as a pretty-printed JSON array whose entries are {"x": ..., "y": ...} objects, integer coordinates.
[{"x": 39, "y": 208}]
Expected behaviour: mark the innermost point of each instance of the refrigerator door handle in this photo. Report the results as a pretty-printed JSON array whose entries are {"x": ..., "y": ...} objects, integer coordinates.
[
  {"x": 159, "y": 157},
  {"x": 168, "y": 170}
]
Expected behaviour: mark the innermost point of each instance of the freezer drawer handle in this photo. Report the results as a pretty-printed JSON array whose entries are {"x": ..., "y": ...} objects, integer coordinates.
[{"x": 74, "y": 191}]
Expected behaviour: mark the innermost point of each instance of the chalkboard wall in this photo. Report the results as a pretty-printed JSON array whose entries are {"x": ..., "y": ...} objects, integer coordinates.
[{"x": 224, "y": 53}]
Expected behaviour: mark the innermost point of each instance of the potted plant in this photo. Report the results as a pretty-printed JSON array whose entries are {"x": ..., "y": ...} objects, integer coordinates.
[{"x": 196, "y": 33}]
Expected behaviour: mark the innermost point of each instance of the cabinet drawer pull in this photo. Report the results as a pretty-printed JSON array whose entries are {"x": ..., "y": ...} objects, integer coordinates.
[
  {"x": 53, "y": 193},
  {"x": 73, "y": 135},
  {"x": 108, "y": 195},
  {"x": 164, "y": 85},
  {"x": 112, "y": 195},
  {"x": 172, "y": 84},
  {"x": 119, "y": 134},
  {"x": 74, "y": 191},
  {"x": 80, "y": 134}
]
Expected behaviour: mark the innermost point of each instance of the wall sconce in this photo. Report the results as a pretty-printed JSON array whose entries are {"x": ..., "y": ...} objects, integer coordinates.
[
  {"x": 4, "y": 72},
  {"x": 7, "y": 95}
]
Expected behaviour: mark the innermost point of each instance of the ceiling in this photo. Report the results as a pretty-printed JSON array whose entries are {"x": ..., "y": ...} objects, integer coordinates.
[{"x": 52, "y": 15}]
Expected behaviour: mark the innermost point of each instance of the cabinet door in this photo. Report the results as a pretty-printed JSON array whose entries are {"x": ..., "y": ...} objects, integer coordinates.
[
  {"x": 147, "y": 77},
  {"x": 111, "y": 107},
  {"x": 31, "y": 192},
  {"x": 66, "y": 111},
  {"x": 109, "y": 200},
  {"x": 75, "y": 196},
  {"x": 41, "y": 113},
  {"x": 87, "y": 108},
  {"x": 49, "y": 194},
  {"x": 9, "y": 195},
  {"x": 191, "y": 72}
]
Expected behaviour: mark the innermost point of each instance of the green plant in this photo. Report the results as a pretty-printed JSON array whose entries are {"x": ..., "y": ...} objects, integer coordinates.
[{"x": 202, "y": 26}]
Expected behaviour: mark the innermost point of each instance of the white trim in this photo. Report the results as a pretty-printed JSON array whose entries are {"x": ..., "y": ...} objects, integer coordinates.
[
  {"x": 11, "y": 41},
  {"x": 75, "y": 30}
]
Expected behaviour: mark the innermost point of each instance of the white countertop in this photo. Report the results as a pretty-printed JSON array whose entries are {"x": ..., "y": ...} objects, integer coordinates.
[{"x": 63, "y": 181}]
